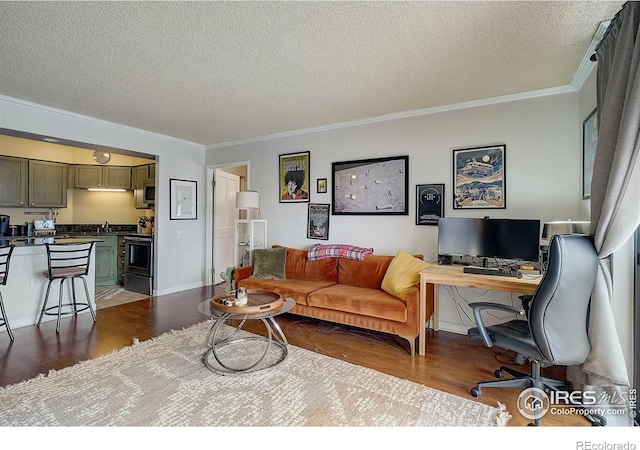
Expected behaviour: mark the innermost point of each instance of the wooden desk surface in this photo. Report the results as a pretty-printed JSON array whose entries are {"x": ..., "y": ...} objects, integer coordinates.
[{"x": 453, "y": 275}]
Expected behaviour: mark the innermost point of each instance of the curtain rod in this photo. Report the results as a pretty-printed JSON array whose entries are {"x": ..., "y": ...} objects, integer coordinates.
[{"x": 606, "y": 33}]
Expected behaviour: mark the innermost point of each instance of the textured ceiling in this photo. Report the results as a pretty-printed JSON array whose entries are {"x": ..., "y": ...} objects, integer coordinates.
[{"x": 215, "y": 72}]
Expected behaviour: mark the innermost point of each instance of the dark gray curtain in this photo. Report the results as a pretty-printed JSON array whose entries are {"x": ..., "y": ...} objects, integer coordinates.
[{"x": 615, "y": 190}]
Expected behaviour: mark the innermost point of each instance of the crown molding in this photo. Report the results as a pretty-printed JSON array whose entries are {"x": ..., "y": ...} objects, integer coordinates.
[
  {"x": 586, "y": 65},
  {"x": 98, "y": 122},
  {"x": 402, "y": 115}
]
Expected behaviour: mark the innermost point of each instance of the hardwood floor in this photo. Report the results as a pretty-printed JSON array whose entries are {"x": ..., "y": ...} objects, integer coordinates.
[{"x": 453, "y": 363}]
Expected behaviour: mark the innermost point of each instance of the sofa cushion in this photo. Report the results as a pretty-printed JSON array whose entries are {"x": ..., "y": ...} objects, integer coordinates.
[
  {"x": 357, "y": 300},
  {"x": 367, "y": 273},
  {"x": 269, "y": 263},
  {"x": 402, "y": 273},
  {"x": 289, "y": 288},
  {"x": 297, "y": 266},
  {"x": 321, "y": 251}
]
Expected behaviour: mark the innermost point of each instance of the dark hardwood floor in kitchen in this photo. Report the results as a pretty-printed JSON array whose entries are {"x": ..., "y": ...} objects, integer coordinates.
[{"x": 453, "y": 363}]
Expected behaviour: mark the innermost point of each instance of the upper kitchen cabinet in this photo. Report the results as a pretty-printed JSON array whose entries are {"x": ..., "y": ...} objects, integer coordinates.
[
  {"x": 13, "y": 181},
  {"x": 47, "y": 184},
  {"x": 110, "y": 177},
  {"x": 142, "y": 175}
]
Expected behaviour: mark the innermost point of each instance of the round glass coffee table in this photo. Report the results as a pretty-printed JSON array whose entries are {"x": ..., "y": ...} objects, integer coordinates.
[{"x": 233, "y": 350}]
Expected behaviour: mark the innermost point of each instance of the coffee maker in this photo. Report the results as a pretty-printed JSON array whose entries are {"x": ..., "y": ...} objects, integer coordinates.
[{"x": 4, "y": 225}]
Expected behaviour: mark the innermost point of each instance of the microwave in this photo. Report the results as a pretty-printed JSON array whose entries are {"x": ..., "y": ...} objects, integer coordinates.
[{"x": 149, "y": 192}]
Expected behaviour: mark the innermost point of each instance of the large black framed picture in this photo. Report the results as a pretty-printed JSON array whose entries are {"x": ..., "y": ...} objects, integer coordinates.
[
  {"x": 479, "y": 178},
  {"x": 377, "y": 186},
  {"x": 429, "y": 203}
]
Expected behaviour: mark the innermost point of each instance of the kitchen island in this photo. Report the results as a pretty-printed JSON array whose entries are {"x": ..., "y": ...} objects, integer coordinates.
[{"x": 27, "y": 283}]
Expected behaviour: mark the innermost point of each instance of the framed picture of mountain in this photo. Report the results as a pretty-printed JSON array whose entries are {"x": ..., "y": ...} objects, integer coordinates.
[{"x": 479, "y": 178}]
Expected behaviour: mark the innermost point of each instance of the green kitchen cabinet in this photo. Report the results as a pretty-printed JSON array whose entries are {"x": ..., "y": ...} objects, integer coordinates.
[
  {"x": 106, "y": 261},
  {"x": 141, "y": 174},
  {"x": 47, "y": 184},
  {"x": 13, "y": 181},
  {"x": 120, "y": 260},
  {"x": 109, "y": 177}
]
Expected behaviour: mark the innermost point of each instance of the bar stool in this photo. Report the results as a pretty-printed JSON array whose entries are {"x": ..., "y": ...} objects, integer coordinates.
[
  {"x": 67, "y": 262},
  {"x": 5, "y": 258}
]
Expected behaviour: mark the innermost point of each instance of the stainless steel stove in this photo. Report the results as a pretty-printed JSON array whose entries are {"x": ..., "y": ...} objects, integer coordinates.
[{"x": 138, "y": 264}]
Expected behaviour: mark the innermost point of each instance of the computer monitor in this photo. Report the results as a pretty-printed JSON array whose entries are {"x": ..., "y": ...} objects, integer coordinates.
[{"x": 516, "y": 239}]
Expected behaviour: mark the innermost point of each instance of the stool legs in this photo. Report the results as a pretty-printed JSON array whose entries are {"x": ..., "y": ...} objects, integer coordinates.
[
  {"x": 4, "y": 319},
  {"x": 60, "y": 305}
]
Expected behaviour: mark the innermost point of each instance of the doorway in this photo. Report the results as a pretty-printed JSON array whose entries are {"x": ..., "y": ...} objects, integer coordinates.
[{"x": 225, "y": 181}]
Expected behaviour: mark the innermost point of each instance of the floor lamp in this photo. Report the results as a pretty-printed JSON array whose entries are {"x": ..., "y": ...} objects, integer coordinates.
[{"x": 249, "y": 201}]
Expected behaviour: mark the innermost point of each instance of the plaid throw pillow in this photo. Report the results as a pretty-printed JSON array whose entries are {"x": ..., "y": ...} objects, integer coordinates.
[{"x": 320, "y": 251}]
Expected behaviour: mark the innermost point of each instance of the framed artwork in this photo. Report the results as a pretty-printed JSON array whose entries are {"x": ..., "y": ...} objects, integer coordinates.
[
  {"x": 589, "y": 146},
  {"x": 294, "y": 177},
  {"x": 321, "y": 187},
  {"x": 318, "y": 221},
  {"x": 371, "y": 186},
  {"x": 429, "y": 203},
  {"x": 479, "y": 178},
  {"x": 183, "y": 200}
]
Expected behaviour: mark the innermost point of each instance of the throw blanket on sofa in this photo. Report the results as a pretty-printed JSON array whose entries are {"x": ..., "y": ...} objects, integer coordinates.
[{"x": 321, "y": 251}]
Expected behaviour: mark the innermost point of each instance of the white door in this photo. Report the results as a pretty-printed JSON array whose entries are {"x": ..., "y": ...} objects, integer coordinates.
[{"x": 224, "y": 221}]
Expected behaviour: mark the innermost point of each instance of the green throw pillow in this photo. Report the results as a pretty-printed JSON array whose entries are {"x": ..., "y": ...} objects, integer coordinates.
[{"x": 269, "y": 263}]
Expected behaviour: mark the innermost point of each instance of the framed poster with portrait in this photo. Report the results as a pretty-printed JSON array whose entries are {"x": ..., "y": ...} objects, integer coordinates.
[
  {"x": 377, "y": 186},
  {"x": 318, "y": 221},
  {"x": 479, "y": 178},
  {"x": 429, "y": 203},
  {"x": 294, "y": 177}
]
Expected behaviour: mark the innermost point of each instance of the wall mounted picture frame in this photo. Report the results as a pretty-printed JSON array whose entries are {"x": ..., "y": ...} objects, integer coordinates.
[
  {"x": 589, "y": 146},
  {"x": 318, "y": 221},
  {"x": 479, "y": 178},
  {"x": 183, "y": 199},
  {"x": 321, "y": 185},
  {"x": 294, "y": 177},
  {"x": 378, "y": 186},
  {"x": 429, "y": 203}
]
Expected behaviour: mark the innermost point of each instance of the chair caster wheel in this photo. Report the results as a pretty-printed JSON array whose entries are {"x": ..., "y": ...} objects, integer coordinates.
[
  {"x": 499, "y": 373},
  {"x": 476, "y": 391}
]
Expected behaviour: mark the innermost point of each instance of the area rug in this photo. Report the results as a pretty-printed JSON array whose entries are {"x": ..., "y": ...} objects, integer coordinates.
[
  {"x": 108, "y": 296},
  {"x": 163, "y": 382}
]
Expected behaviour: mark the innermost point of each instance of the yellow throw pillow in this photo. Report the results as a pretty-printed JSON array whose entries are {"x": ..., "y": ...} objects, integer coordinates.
[{"x": 403, "y": 273}]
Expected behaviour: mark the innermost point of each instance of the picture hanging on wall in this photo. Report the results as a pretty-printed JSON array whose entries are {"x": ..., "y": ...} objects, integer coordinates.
[
  {"x": 479, "y": 178},
  {"x": 589, "y": 145},
  {"x": 371, "y": 186},
  {"x": 429, "y": 203},
  {"x": 294, "y": 177},
  {"x": 318, "y": 221}
]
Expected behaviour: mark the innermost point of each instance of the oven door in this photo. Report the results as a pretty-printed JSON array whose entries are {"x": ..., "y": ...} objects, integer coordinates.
[{"x": 138, "y": 255}]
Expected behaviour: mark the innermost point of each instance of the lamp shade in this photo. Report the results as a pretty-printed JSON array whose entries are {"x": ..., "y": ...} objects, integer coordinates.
[
  {"x": 247, "y": 200},
  {"x": 550, "y": 229}
]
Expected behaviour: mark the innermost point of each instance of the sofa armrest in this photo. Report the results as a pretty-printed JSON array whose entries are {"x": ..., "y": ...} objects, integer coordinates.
[
  {"x": 413, "y": 309},
  {"x": 241, "y": 273}
]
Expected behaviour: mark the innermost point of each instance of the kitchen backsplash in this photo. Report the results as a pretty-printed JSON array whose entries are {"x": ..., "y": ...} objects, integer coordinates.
[{"x": 92, "y": 228}]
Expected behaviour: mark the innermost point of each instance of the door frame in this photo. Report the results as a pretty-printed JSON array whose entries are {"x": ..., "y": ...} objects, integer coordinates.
[{"x": 208, "y": 275}]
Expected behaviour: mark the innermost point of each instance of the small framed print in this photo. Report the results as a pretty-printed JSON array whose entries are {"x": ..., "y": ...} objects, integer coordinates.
[
  {"x": 183, "y": 201},
  {"x": 479, "y": 178},
  {"x": 429, "y": 203},
  {"x": 295, "y": 177},
  {"x": 321, "y": 187},
  {"x": 318, "y": 221}
]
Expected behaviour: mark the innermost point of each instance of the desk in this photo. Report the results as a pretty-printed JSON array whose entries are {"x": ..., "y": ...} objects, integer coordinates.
[{"x": 453, "y": 275}]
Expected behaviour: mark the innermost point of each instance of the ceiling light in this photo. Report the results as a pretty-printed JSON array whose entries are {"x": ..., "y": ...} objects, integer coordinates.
[
  {"x": 101, "y": 157},
  {"x": 48, "y": 139}
]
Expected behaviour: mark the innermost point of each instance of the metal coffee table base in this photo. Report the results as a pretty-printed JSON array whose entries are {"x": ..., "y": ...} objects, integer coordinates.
[{"x": 235, "y": 353}]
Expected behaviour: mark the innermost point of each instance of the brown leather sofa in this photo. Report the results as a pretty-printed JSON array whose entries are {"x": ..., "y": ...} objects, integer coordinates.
[{"x": 344, "y": 291}]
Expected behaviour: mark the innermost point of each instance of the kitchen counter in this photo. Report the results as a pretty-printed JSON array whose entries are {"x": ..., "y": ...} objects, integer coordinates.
[
  {"x": 26, "y": 284},
  {"x": 20, "y": 241}
]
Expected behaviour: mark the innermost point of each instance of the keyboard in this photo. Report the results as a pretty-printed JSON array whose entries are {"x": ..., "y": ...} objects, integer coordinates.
[{"x": 499, "y": 272}]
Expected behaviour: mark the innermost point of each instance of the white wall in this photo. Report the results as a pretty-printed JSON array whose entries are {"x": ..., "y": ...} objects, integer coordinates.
[
  {"x": 179, "y": 261},
  {"x": 543, "y": 142}
]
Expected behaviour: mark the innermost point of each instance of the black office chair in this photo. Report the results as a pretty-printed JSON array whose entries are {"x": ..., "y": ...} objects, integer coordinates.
[
  {"x": 5, "y": 258},
  {"x": 67, "y": 262},
  {"x": 555, "y": 332}
]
